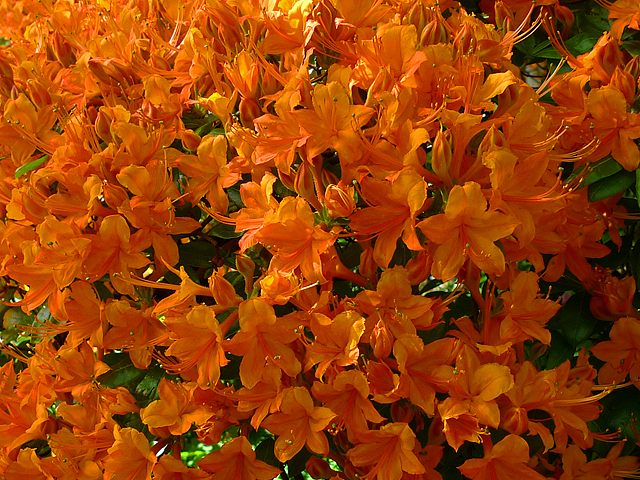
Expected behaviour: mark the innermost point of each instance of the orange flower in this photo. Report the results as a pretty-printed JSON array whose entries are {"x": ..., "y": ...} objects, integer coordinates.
[
  {"x": 564, "y": 393},
  {"x": 525, "y": 314},
  {"x": 473, "y": 389},
  {"x": 424, "y": 369},
  {"x": 616, "y": 129},
  {"x": 626, "y": 14},
  {"x": 134, "y": 330},
  {"x": 265, "y": 397},
  {"x": 130, "y": 457},
  {"x": 259, "y": 204},
  {"x": 348, "y": 397},
  {"x": 621, "y": 353},
  {"x": 467, "y": 229},
  {"x": 336, "y": 341},
  {"x": 174, "y": 412},
  {"x": 113, "y": 252},
  {"x": 395, "y": 205},
  {"x": 334, "y": 122},
  {"x": 299, "y": 423},
  {"x": 262, "y": 338},
  {"x": 170, "y": 468},
  {"x": 27, "y": 465},
  {"x": 236, "y": 460},
  {"x": 394, "y": 304},
  {"x": 76, "y": 369},
  {"x": 209, "y": 173},
  {"x": 389, "y": 450},
  {"x": 197, "y": 343},
  {"x": 506, "y": 460},
  {"x": 294, "y": 240}
]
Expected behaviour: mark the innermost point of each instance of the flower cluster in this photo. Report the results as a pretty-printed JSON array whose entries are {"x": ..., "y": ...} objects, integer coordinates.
[{"x": 328, "y": 239}]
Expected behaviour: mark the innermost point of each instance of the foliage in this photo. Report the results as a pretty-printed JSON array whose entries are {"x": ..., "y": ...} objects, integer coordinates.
[{"x": 326, "y": 239}]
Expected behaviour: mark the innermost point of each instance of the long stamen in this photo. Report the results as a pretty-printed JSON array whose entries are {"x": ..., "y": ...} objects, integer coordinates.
[
  {"x": 612, "y": 437},
  {"x": 515, "y": 36},
  {"x": 542, "y": 89},
  {"x": 585, "y": 151},
  {"x": 570, "y": 402}
]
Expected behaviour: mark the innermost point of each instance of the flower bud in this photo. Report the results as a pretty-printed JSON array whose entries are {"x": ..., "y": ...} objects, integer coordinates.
[
  {"x": 441, "y": 157},
  {"x": 515, "y": 420},
  {"x": 327, "y": 177},
  {"x": 96, "y": 67},
  {"x": 279, "y": 287},
  {"x": 434, "y": 33},
  {"x": 222, "y": 290},
  {"x": 103, "y": 127},
  {"x": 607, "y": 58},
  {"x": 493, "y": 139},
  {"x": 565, "y": 15},
  {"x": 368, "y": 266},
  {"x": 190, "y": 140},
  {"x": 402, "y": 413},
  {"x": 270, "y": 85},
  {"x": 304, "y": 185},
  {"x": 633, "y": 68},
  {"x": 249, "y": 111},
  {"x": 506, "y": 100},
  {"x": 62, "y": 49},
  {"x": 339, "y": 200},
  {"x": 381, "y": 340},
  {"x": 319, "y": 468},
  {"x": 287, "y": 180},
  {"x": 247, "y": 268},
  {"x": 624, "y": 82},
  {"x": 39, "y": 95},
  {"x": 419, "y": 268},
  {"x": 505, "y": 21},
  {"x": 114, "y": 196},
  {"x": 5, "y": 69},
  {"x": 465, "y": 42},
  {"x": 419, "y": 16},
  {"x": 159, "y": 63}
]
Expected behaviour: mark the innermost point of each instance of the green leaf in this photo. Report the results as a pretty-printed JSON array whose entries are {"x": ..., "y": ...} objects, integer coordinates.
[
  {"x": 575, "y": 319},
  {"x": 635, "y": 108},
  {"x": 527, "y": 45},
  {"x": 559, "y": 352},
  {"x": 30, "y": 166},
  {"x": 297, "y": 464},
  {"x": 590, "y": 22},
  {"x": 197, "y": 254},
  {"x": 10, "y": 335},
  {"x": 231, "y": 370},
  {"x": 103, "y": 292},
  {"x": 539, "y": 48},
  {"x": 350, "y": 255},
  {"x": 204, "y": 129},
  {"x": 634, "y": 261},
  {"x": 234, "y": 196},
  {"x": 222, "y": 230},
  {"x": 265, "y": 452},
  {"x": 577, "y": 45},
  {"x": 597, "y": 171},
  {"x": 610, "y": 186},
  {"x": 150, "y": 381},
  {"x": 617, "y": 257},
  {"x": 638, "y": 186},
  {"x": 120, "y": 374},
  {"x": 15, "y": 316},
  {"x": 619, "y": 408},
  {"x": 633, "y": 47}
]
